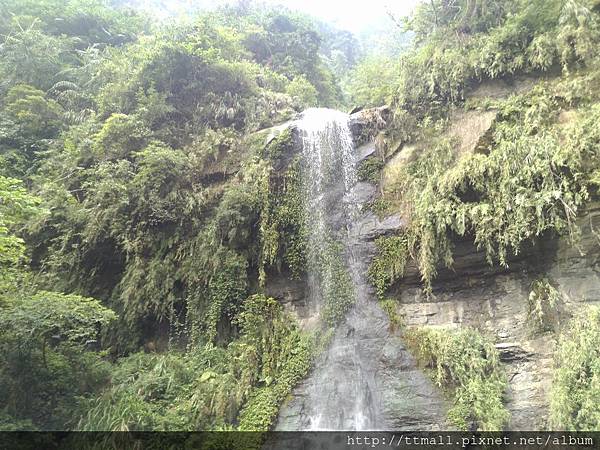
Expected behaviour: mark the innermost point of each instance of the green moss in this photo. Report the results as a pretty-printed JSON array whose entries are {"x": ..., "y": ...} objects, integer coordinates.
[
  {"x": 389, "y": 263},
  {"x": 370, "y": 169},
  {"x": 390, "y": 307},
  {"x": 575, "y": 393},
  {"x": 336, "y": 284},
  {"x": 283, "y": 229},
  {"x": 468, "y": 366}
]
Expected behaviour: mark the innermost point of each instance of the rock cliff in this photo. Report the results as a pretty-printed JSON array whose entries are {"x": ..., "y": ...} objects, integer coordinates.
[{"x": 494, "y": 300}]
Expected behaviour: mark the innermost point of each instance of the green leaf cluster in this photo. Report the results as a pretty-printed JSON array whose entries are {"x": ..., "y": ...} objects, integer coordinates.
[
  {"x": 544, "y": 303},
  {"x": 468, "y": 365},
  {"x": 389, "y": 263},
  {"x": 575, "y": 392}
]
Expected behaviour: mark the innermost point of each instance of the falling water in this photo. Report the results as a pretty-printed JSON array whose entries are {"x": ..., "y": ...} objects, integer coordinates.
[
  {"x": 328, "y": 174},
  {"x": 343, "y": 397},
  {"x": 366, "y": 379}
]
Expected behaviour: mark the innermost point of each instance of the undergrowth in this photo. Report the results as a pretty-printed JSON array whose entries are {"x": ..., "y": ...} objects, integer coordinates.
[
  {"x": 209, "y": 387},
  {"x": 468, "y": 366},
  {"x": 575, "y": 393}
]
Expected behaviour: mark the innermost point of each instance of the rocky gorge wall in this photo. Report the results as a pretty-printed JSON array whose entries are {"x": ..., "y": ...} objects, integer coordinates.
[
  {"x": 494, "y": 300},
  {"x": 365, "y": 350}
]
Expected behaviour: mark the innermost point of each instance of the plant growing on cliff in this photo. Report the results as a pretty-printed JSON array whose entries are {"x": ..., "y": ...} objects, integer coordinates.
[
  {"x": 389, "y": 263},
  {"x": 544, "y": 299},
  {"x": 390, "y": 308},
  {"x": 468, "y": 365},
  {"x": 16, "y": 205},
  {"x": 575, "y": 393},
  {"x": 446, "y": 195},
  {"x": 370, "y": 169},
  {"x": 493, "y": 198}
]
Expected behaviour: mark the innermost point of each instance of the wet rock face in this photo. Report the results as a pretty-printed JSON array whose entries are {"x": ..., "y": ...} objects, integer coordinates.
[
  {"x": 491, "y": 299},
  {"x": 366, "y": 379},
  {"x": 365, "y": 124}
]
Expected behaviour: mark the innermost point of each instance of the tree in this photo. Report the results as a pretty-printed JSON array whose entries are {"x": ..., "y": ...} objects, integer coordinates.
[
  {"x": 43, "y": 338},
  {"x": 29, "y": 122},
  {"x": 16, "y": 205}
]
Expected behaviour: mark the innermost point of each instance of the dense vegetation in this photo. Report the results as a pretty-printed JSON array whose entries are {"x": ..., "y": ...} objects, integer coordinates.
[
  {"x": 140, "y": 210},
  {"x": 576, "y": 384},
  {"x": 144, "y": 205},
  {"x": 487, "y": 194},
  {"x": 468, "y": 366}
]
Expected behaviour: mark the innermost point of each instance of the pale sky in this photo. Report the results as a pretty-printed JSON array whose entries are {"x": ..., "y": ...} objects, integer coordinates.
[{"x": 353, "y": 15}]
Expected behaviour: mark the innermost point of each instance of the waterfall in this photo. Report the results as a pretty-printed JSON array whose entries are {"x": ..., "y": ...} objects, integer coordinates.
[
  {"x": 344, "y": 397},
  {"x": 329, "y": 172},
  {"x": 365, "y": 379}
]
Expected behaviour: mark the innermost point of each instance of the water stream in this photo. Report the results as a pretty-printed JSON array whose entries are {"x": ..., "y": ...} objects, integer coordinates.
[
  {"x": 344, "y": 397},
  {"x": 365, "y": 380}
]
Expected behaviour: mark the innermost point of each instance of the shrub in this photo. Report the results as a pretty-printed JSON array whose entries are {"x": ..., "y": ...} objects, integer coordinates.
[
  {"x": 468, "y": 365},
  {"x": 575, "y": 393},
  {"x": 46, "y": 367}
]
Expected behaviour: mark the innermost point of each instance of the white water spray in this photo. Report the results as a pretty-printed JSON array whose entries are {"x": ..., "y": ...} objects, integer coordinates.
[{"x": 343, "y": 399}]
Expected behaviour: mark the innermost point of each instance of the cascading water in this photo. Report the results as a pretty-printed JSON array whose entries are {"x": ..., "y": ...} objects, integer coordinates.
[
  {"x": 328, "y": 174},
  {"x": 365, "y": 380},
  {"x": 344, "y": 397}
]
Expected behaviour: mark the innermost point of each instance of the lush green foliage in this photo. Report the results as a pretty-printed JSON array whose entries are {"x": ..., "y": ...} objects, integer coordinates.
[
  {"x": 45, "y": 366},
  {"x": 576, "y": 385},
  {"x": 469, "y": 366},
  {"x": 16, "y": 205},
  {"x": 152, "y": 190},
  {"x": 493, "y": 197},
  {"x": 131, "y": 171},
  {"x": 389, "y": 263},
  {"x": 209, "y": 387}
]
